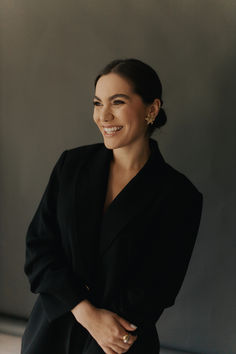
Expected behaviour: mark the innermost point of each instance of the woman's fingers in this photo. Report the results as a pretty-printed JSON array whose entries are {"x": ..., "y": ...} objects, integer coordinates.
[
  {"x": 131, "y": 340},
  {"x": 118, "y": 346},
  {"x": 108, "y": 329},
  {"x": 126, "y": 324},
  {"x": 124, "y": 347},
  {"x": 109, "y": 351},
  {"x": 118, "y": 350},
  {"x": 118, "y": 342}
]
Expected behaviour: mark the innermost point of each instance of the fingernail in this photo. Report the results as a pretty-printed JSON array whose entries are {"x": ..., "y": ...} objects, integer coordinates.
[{"x": 133, "y": 326}]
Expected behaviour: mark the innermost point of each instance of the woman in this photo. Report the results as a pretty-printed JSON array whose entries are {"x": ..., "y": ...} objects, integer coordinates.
[{"x": 109, "y": 245}]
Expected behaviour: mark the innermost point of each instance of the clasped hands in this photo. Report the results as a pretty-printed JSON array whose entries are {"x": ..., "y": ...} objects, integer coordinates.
[{"x": 105, "y": 326}]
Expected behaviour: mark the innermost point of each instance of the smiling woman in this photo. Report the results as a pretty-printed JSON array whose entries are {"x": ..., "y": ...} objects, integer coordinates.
[
  {"x": 109, "y": 245},
  {"x": 140, "y": 79},
  {"x": 127, "y": 97},
  {"x": 123, "y": 108}
]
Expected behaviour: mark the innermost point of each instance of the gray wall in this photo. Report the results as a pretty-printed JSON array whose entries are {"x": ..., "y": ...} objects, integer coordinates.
[{"x": 50, "y": 53}]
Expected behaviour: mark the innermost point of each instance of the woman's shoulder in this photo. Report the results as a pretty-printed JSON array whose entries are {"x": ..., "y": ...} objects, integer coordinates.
[
  {"x": 77, "y": 156},
  {"x": 175, "y": 182},
  {"x": 82, "y": 153},
  {"x": 84, "y": 149},
  {"x": 180, "y": 183}
]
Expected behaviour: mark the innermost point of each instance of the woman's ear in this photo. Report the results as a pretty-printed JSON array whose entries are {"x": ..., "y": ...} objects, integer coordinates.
[{"x": 155, "y": 107}]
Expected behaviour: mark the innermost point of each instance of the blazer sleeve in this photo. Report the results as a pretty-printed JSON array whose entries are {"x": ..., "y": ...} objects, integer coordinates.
[
  {"x": 46, "y": 265},
  {"x": 170, "y": 244}
]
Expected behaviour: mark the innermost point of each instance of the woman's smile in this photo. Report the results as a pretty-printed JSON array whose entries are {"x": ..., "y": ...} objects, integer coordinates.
[
  {"x": 111, "y": 131},
  {"x": 119, "y": 112}
]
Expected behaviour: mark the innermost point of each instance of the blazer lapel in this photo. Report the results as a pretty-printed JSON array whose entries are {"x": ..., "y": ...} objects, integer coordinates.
[
  {"x": 135, "y": 197},
  {"x": 90, "y": 190},
  {"x": 99, "y": 229}
]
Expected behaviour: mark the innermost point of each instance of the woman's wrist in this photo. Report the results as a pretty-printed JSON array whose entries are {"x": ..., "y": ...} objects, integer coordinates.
[{"x": 84, "y": 312}]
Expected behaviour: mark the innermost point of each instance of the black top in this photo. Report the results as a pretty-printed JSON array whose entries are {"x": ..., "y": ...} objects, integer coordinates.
[{"x": 146, "y": 236}]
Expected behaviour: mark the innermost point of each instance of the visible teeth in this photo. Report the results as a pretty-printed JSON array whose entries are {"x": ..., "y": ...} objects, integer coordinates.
[{"x": 113, "y": 129}]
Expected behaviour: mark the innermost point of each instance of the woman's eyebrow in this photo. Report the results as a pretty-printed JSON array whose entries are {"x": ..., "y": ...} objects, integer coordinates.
[{"x": 115, "y": 96}]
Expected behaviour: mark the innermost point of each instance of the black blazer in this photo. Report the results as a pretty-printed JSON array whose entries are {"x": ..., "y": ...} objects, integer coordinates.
[{"x": 131, "y": 260}]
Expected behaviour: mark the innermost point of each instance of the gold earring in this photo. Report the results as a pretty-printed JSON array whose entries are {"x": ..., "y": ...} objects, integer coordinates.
[{"x": 149, "y": 119}]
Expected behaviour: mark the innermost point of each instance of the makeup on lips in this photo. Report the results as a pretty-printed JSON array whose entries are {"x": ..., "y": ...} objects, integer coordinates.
[{"x": 111, "y": 131}]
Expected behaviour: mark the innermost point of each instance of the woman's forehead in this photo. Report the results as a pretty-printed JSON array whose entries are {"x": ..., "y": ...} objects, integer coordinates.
[{"x": 112, "y": 84}]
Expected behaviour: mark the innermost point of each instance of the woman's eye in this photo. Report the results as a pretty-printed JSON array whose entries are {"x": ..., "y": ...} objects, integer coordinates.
[
  {"x": 118, "y": 102},
  {"x": 96, "y": 103}
]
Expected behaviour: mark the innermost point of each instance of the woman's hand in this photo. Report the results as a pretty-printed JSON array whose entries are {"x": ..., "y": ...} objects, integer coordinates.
[{"x": 105, "y": 326}]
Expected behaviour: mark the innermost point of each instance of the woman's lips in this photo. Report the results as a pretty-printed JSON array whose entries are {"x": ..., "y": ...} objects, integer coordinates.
[{"x": 112, "y": 131}]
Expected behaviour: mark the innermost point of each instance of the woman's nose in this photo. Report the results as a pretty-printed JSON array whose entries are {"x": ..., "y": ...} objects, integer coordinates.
[{"x": 106, "y": 115}]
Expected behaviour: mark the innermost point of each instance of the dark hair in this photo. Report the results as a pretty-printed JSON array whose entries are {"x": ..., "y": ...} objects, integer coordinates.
[{"x": 145, "y": 82}]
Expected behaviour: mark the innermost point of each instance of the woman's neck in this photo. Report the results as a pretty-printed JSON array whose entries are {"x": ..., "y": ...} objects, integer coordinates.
[{"x": 131, "y": 157}]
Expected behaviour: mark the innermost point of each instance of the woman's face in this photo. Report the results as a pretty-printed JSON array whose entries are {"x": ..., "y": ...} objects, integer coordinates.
[{"x": 117, "y": 106}]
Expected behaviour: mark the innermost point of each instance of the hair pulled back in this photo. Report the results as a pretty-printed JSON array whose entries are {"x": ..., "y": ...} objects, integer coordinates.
[{"x": 145, "y": 83}]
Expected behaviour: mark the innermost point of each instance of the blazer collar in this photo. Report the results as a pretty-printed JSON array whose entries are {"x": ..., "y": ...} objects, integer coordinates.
[{"x": 134, "y": 198}]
